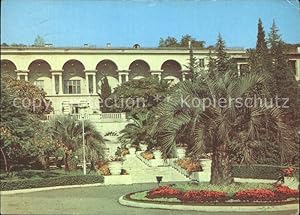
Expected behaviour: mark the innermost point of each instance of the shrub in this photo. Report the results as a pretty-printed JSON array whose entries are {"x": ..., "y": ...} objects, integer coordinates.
[
  {"x": 49, "y": 182},
  {"x": 103, "y": 168},
  {"x": 203, "y": 196},
  {"x": 259, "y": 171},
  {"x": 189, "y": 165},
  {"x": 147, "y": 155}
]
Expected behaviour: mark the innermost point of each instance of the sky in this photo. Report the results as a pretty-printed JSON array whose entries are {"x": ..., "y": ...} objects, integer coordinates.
[{"x": 126, "y": 22}]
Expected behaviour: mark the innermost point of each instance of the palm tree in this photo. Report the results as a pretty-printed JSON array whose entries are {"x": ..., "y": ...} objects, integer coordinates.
[
  {"x": 136, "y": 131},
  {"x": 67, "y": 132},
  {"x": 221, "y": 127}
]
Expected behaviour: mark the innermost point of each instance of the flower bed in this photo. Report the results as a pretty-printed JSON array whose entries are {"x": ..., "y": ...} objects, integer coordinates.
[
  {"x": 274, "y": 194},
  {"x": 147, "y": 155},
  {"x": 189, "y": 165}
]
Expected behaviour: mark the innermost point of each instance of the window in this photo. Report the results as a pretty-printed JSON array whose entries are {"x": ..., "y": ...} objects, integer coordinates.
[
  {"x": 39, "y": 84},
  {"x": 201, "y": 62},
  {"x": 72, "y": 87}
]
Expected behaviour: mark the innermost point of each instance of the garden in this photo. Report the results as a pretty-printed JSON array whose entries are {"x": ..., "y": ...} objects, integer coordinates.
[
  {"x": 250, "y": 153},
  {"x": 207, "y": 194}
]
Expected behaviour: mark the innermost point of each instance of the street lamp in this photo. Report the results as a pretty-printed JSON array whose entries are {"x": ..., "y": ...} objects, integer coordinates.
[
  {"x": 83, "y": 146},
  {"x": 83, "y": 137}
]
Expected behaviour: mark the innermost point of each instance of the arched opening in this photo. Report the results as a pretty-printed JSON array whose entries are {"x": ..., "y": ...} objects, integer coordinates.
[
  {"x": 109, "y": 69},
  {"x": 40, "y": 75},
  {"x": 74, "y": 77},
  {"x": 8, "y": 69},
  {"x": 139, "y": 68},
  {"x": 171, "y": 68}
]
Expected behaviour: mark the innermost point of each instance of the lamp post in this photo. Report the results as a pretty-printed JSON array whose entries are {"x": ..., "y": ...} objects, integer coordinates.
[
  {"x": 83, "y": 138},
  {"x": 83, "y": 146}
]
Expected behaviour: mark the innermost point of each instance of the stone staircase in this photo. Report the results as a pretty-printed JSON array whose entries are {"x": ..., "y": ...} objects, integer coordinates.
[{"x": 142, "y": 173}]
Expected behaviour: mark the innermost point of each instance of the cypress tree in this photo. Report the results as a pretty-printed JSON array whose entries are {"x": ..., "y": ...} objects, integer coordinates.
[
  {"x": 222, "y": 61},
  {"x": 285, "y": 84},
  {"x": 105, "y": 93},
  {"x": 260, "y": 61}
]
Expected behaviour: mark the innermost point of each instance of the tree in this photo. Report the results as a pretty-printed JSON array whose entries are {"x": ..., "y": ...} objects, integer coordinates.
[
  {"x": 184, "y": 42},
  {"x": 31, "y": 97},
  {"x": 66, "y": 131},
  {"x": 285, "y": 84},
  {"x": 260, "y": 62},
  {"x": 19, "y": 127},
  {"x": 223, "y": 128},
  {"x": 138, "y": 130},
  {"x": 168, "y": 42},
  {"x": 185, "y": 39},
  {"x": 105, "y": 93},
  {"x": 222, "y": 60},
  {"x": 139, "y": 95},
  {"x": 39, "y": 41},
  {"x": 222, "y": 63}
]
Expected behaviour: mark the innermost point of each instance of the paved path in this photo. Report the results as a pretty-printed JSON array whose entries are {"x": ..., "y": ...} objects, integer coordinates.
[{"x": 101, "y": 200}]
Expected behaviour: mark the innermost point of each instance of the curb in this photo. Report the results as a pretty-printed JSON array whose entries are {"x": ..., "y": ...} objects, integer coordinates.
[
  {"x": 213, "y": 208},
  {"x": 11, "y": 192}
]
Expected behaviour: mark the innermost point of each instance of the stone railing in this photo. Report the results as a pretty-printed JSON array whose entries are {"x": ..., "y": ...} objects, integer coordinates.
[{"x": 113, "y": 115}]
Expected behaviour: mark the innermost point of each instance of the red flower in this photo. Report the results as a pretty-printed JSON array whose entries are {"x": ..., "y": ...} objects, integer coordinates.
[
  {"x": 289, "y": 171},
  {"x": 203, "y": 196},
  {"x": 284, "y": 192},
  {"x": 164, "y": 192},
  {"x": 255, "y": 195}
]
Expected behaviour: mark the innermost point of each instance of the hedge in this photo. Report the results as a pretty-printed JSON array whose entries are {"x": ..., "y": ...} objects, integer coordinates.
[
  {"x": 259, "y": 171},
  {"x": 50, "y": 182}
]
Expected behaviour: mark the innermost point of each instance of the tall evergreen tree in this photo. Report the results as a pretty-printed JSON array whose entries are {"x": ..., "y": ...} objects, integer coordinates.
[
  {"x": 262, "y": 61},
  {"x": 220, "y": 64},
  {"x": 285, "y": 84},
  {"x": 222, "y": 61},
  {"x": 105, "y": 93}
]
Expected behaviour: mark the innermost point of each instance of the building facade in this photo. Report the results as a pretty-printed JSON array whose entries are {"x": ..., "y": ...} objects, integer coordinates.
[{"x": 71, "y": 77}]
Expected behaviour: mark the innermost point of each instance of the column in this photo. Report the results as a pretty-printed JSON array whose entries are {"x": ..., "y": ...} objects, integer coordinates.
[
  {"x": 120, "y": 78},
  {"x": 53, "y": 84},
  {"x": 123, "y": 73},
  {"x": 239, "y": 69},
  {"x": 88, "y": 74},
  {"x": 60, "y": 85},
  {"x": 297, "y": 69},
  {"x": 94, "y": 84},
  {"x": 56, "y": 73},
  {"x": 87, "y": 81}
]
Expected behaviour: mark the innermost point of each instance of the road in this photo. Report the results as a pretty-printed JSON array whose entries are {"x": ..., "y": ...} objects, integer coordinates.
[{"x": 102, "y": 200}]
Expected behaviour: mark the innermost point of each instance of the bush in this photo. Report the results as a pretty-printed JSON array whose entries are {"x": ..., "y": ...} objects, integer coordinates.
[
  {"x": 189, "y": 165},
  {"x": 259, "y": 171},
  {"x": 50, "y": 182}
]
